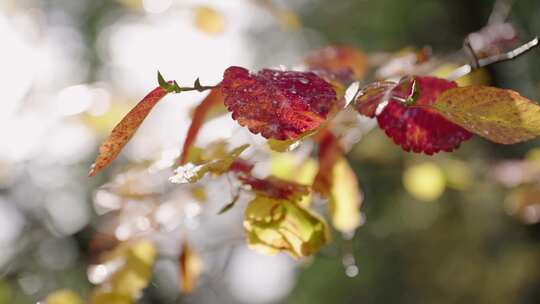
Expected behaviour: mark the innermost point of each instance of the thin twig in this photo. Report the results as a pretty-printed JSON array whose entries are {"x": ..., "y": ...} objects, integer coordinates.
[{"x": 467, "y": 68}]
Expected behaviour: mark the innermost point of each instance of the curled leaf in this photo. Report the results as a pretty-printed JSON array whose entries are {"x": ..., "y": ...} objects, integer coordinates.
[
  {"x": 346, "y": 198},
  {"x": 275, "y": 187},
  {"x": 343, "y": 63},
  {"x": 190, "y": 267},
  {"x": 500, "y": 115},
  {"x": 212, "y": 101},
  {"x": 192, "y": 172},
  {"x": 337, "y": 181},
  {"x": 274, "y": 225},
  {"x": 124, "y": 130},
  {"x": 281, "y": 105}
]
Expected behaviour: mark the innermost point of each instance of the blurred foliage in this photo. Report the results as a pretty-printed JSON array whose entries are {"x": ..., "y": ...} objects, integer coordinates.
[{"x": 464, "y": 246}]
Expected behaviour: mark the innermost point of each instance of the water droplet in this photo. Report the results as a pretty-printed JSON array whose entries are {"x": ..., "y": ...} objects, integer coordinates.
[
  {"x": 304, "y": 80},
  {"x": 185, "y": 174},
  {"x": 351, "y": 271}
]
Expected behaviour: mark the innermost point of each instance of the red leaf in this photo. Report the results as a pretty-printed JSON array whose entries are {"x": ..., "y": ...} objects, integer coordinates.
[
  {"x": 215, "y": 98},
  {"x": 275, "y": 187},
  {"x": 420, "y": 129},
  {"x": 124, "y": 130},
  {"x": 277, "y": 104}
]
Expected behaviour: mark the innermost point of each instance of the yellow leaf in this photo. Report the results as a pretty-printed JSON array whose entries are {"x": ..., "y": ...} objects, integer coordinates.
[
  {"x": 63, "y": 296},
  {"x": 425, "y": 181},
  {"x": 502, "y": 116},
  {"x": 191, "y": 173},
  {"x": 345, "y": 198},
  {"x": 190, "y": 268},
  {"x": 134, "y": 262},
  {"x": 274, "y": 225},
  {"x": 209, "y": 20}
]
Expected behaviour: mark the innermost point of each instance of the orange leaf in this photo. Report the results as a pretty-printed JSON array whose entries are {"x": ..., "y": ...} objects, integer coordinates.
[
  {"x": 337, "y": 181},
  {"x": 502, "y": 116},
  {"x": 210, "y": 102},
  {"x": 124, "y": 130},
  {"x": 190, "y": 265},
  {"x": 329, "y": 153}
]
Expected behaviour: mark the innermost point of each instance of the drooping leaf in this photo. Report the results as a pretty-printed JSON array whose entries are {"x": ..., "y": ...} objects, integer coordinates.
[
  {"x": 281, "y": 105},
  {"x": 343, "y": 63},
  {"x": 275, "y": 187},
  {"x": 209, "y": 20},
  {"x": 337, "y": 181},
  {"x": 346, "y": 198},
  {"x": 192, "y": 172},
  {"x": 329, "y": 152},
  {"x": 421, "y": 129},
  {"x": 124, "y": 130},
  {"x": 212, "y": 101},
  {"x": 274, "y": 225},
  {"x": 190, "y": 268},
  {"x": 500, "y": 115}
]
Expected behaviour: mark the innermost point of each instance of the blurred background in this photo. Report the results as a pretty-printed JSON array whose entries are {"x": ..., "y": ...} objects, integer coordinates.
[{"x": 453, "y": 228}]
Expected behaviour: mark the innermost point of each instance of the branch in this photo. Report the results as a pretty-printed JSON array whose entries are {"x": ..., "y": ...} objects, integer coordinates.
[
  {"x": 174, "y": 87},
  {"x": 479, "y": 63}
]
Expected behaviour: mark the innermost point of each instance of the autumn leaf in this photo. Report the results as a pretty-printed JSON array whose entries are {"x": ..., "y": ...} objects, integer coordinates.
[
  {"x": 337, "y": 181},
  {"x": 212, "y": 101},
  {"x": 343, "y": 63},
  {"x": 420, "y": 128},
  {"x": 500, "y": 115},
  {"x": 281, "y": 105},
  {"x": 274, "y": 225},
  {"x": 192, "y": 172},
  {"x": 124, "y": 130},
  {"x": 190, "y": 268},
  {"x": 275, "y": 187},
  {"x": 370, "y": 96}
]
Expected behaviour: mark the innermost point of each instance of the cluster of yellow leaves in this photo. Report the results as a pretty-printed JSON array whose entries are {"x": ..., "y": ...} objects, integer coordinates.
[{"x": 274, "y": 225}]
